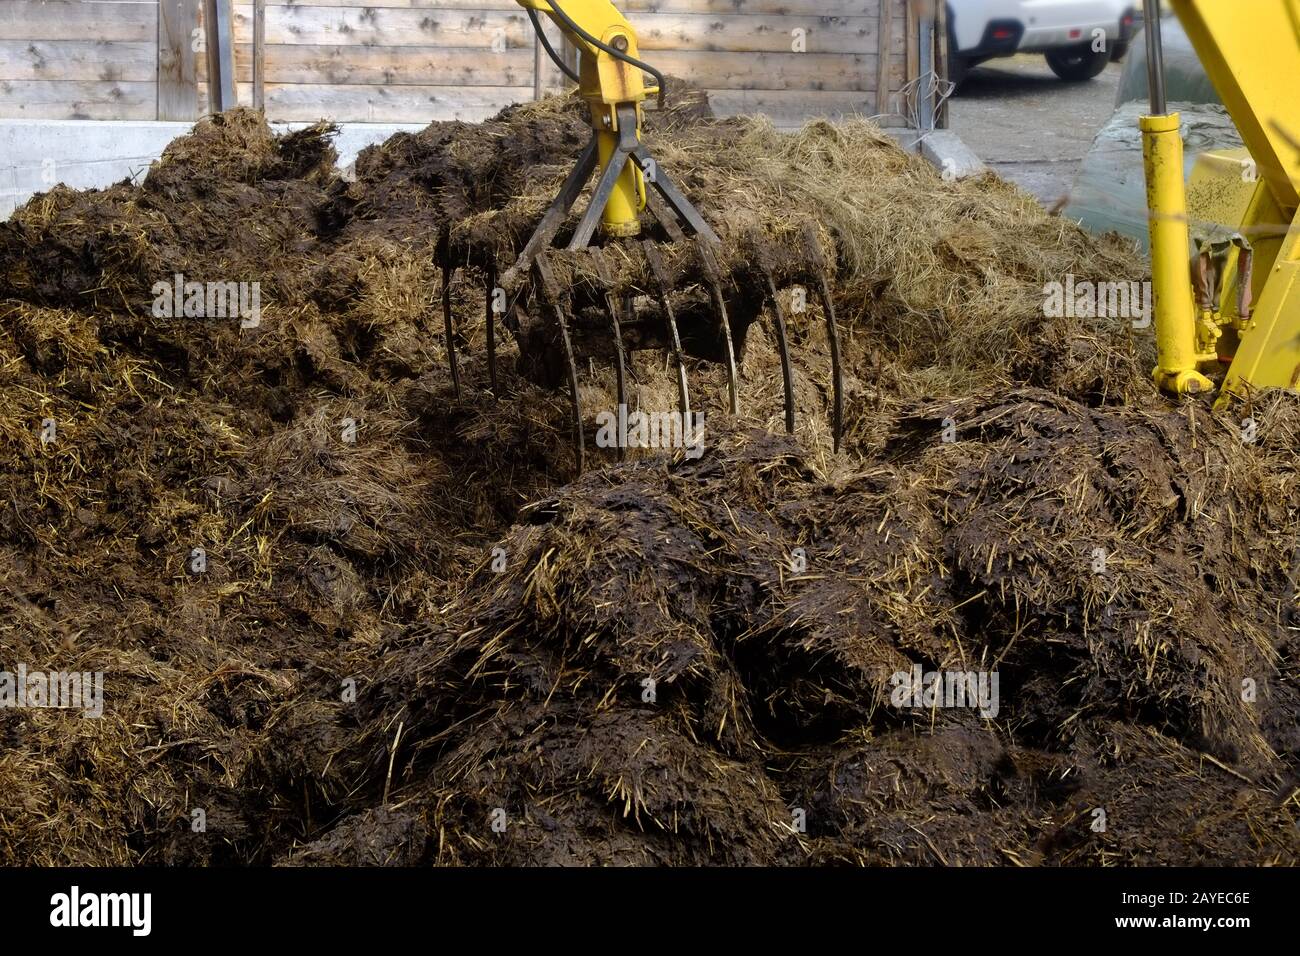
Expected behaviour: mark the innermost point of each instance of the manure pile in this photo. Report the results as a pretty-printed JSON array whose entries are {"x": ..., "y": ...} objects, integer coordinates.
[{"x": 346, "y": 617}]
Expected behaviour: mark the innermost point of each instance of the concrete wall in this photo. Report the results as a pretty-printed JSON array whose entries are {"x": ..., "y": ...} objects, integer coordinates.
[
  {"x": 37, "y": 154},
  {"x": 90, "y": 154}
]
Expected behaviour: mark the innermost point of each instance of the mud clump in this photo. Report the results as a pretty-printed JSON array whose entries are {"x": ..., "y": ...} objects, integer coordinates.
[{"x": 345, "y": 616}]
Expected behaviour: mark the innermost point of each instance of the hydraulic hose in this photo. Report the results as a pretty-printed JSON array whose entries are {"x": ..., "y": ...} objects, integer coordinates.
[
  {"x": 569, "y": 23},
  {"x": 550, "y": 50}
]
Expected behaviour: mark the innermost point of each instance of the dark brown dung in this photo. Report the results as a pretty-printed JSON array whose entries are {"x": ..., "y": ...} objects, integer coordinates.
[{"x": 416, "y": 636}]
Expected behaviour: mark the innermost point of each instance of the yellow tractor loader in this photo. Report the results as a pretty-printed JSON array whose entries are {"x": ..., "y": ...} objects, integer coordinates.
[{"x": 1227, "y": 307}]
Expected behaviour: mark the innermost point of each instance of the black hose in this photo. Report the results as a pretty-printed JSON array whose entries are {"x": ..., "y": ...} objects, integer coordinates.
[
  {"x": 550, "y": 50},
  {"x": 565, "y": 19}
]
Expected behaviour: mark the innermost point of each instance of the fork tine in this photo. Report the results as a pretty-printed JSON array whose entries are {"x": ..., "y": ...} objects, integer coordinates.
[
  {"x": 612, "y": 306},
  {"x": 816, "y": 261},
  {"x": 448, "y": 271},
  {"x": 551, "y": 295},
  {"x": 663, "y": 284},
  {"x": 837, "y": 368},
  {"x": 783, "y": 346},
  {"x": 709, "y": 264},
  {"x": 491, "y": 325}
]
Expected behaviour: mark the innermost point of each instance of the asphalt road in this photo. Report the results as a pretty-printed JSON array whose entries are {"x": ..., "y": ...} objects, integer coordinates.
[{"x": 1029, "y": 126}]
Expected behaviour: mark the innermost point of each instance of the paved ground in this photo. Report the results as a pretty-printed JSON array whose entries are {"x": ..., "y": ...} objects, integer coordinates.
[{"x": 1029, "y": 126}]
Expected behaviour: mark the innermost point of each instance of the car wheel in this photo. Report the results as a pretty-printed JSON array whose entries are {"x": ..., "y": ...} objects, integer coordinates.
[
  {"x": 958, "y": 66},
  {"x": 1078, "y": 63},
  {"x": 1117, "y": 50}
]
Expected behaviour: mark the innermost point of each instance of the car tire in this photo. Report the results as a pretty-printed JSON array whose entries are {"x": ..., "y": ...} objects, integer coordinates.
[
  {"x": 1117, "y": 50},
  {"x": 958, "y": 66},
  {"x": 1078, "y": 63}
]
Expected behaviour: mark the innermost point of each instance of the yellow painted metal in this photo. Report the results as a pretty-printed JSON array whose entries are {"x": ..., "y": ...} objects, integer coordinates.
[
  {"x": 606, "y": 82},
  {"x": 1225, "y": 198},
  {"x": 597, "y": 17},
  {"x": 1251, "y": 52},
  {"x": 1224, "y": 190},
  {"x": 1176, "y": 324},
  {"x": 620, "y": 217},
  {"x": 1222, "y": 186},
  {"x": 1269, "y": 353}
]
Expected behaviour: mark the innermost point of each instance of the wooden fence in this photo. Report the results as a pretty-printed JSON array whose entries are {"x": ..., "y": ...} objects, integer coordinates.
[{"x": 422, "y": 60}]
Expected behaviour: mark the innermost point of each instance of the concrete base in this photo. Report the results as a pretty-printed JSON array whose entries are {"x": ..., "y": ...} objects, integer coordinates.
[
  {"x": 950, "y": 155},
  {"x": 944, "y": 149},
  {"x": 905, "y": 137},
  {"x": 93, "y": 154}
]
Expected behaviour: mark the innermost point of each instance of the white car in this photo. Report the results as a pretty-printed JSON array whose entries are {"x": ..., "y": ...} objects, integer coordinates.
[{"x": 1078, "y": 37}]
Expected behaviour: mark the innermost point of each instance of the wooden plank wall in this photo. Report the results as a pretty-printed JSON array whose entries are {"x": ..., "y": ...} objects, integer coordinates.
[
  {"x": 68, "y": 59},
  {"x": 421, "y": 60}
]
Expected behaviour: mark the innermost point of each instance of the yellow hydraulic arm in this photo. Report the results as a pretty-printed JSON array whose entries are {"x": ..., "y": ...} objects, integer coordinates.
[
  {"x": 1251, "y": 52},
  {"x": 611, "y": 80},
  {"x": 610, "y": 75}
]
